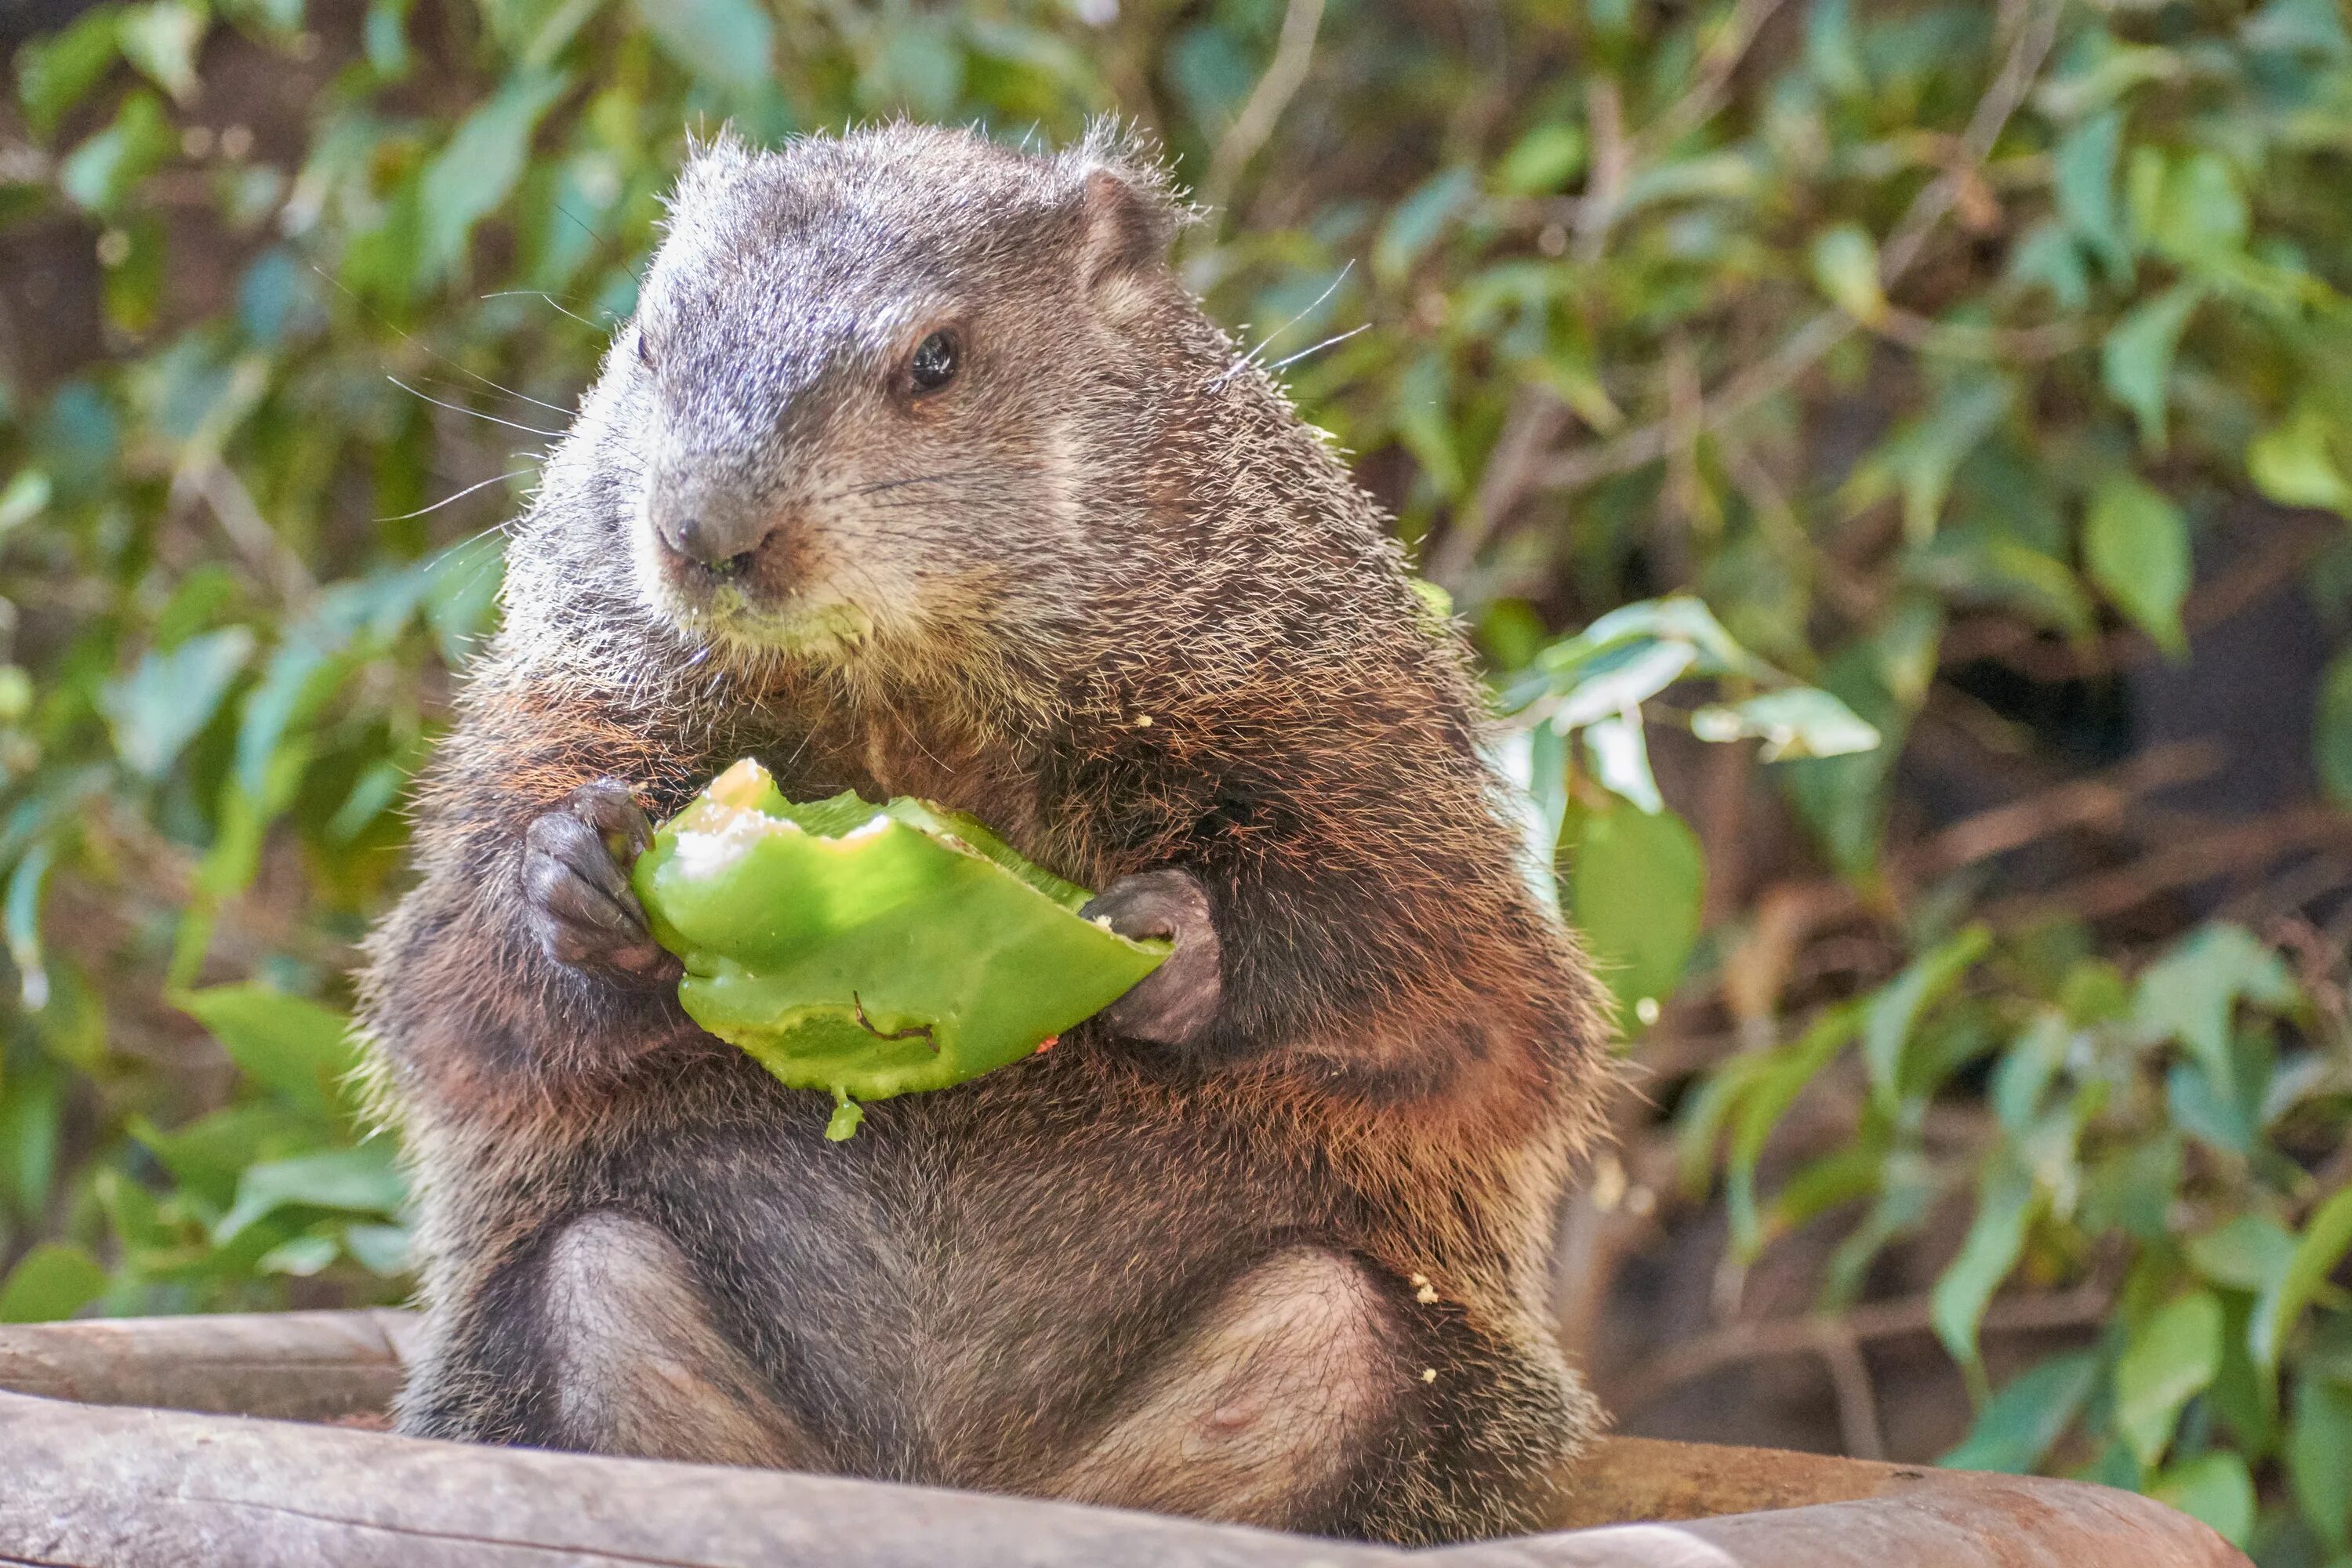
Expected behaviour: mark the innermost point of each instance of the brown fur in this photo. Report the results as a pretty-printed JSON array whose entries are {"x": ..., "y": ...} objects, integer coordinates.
[{"x": 1108, "y": 594}]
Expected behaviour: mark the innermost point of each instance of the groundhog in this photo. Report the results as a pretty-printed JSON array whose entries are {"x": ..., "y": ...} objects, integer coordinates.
[{"x": 919, "y": 472}]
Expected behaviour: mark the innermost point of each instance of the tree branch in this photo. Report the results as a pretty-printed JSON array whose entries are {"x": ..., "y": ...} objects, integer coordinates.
[
  {"x": 1763, "y": 1338},
  {"x": 1294, "y": 50}
]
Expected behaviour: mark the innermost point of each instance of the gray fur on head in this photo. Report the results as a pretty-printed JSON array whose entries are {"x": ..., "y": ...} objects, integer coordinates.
[
  {"x": 762, "y": 390},
  {"x": 1096, "y": 452}
]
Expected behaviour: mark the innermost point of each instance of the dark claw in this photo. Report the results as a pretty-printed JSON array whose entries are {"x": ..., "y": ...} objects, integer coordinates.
[
  {"x": 1176, "y": 1001},
  {"x": 576, "y": 886}
]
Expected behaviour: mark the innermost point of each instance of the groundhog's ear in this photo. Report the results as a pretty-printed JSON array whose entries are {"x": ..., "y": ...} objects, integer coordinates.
[{"x": 1128, "y": 228}]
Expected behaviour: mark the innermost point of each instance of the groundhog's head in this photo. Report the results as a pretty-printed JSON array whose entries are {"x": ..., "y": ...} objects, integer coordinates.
[{"x": 866, "y": 378}]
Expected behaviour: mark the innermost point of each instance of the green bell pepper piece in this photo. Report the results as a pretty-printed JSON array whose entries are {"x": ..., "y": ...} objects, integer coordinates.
[{"x": 871, "y": 951}]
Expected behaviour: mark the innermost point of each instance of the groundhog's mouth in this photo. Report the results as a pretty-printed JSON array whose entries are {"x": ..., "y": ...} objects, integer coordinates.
[{"x": 747, "y": 613}]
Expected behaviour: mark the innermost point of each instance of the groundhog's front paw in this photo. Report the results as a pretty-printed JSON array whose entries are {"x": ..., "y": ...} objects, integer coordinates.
[
  {"x": 576, "y": 887},
  {"x": 1177, "y": 1001}
]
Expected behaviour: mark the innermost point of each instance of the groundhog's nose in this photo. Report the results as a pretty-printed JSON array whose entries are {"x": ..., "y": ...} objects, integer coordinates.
[
  {"x": 691, "y": 539},
  {"x": 702, "y": 529}
]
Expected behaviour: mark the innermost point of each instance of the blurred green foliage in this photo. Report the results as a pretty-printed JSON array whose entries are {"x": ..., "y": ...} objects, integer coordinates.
[{"x": 1844, "y": 337}]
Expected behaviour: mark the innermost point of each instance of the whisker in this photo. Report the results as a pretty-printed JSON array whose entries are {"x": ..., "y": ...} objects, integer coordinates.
[
  {"x": 551, "y": 299},
  {"x": 1319, "y": 348},
  {"x": 414, "y": 342},
  {"x": 1330, "y": 289},
  {"x": 452, "y": 500},
  {"x": 475, "y": 413},
  {"x": 1251, "y": 358},
  {"x": 496, "y": 387},
  {"x": 591, "y": 231},
  {"x": 892, "y": 485}
]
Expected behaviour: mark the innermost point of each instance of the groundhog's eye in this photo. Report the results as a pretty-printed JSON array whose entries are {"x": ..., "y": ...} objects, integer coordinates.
[
  {"x": 934, "y": 363},
  {"x": 645, "y": 349}
]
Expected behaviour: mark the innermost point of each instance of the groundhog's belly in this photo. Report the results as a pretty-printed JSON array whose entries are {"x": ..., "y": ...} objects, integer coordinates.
[{"x": 969, "y": 1285}]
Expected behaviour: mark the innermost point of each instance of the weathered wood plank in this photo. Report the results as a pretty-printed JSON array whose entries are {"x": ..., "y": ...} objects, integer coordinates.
[
  {"x": 116, "y": 1487},
  {"x": 1917, "y": 1519},
  {"x": 298, "y": 1366},
  {"x": 151, "y": 1488}
]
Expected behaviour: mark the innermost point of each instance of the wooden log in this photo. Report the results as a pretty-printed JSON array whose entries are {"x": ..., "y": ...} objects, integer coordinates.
[
  {"x": 1914, "y": 1518},
  {"x": 298, "y": 1366},
  {"x": 99, "y": 1488},
  {"x": 115, "y": 1488}
]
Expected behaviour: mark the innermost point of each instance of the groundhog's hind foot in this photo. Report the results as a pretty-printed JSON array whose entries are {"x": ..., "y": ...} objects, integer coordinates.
[
  {"x": 1313, "y": 1397},
  {"x": 576, "y": 887},
  {"x": 1259, "y": 1414}
]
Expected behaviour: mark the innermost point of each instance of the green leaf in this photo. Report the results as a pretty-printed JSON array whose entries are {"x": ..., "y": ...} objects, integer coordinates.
[
  {"x": 53, "y": 1280},
  {"x": 2082, "y": 177},
  {"x": 2169, "y": 1360},
  {"x": 207, "y": 1155},
  {"x": 161, "y": 40},
  {"x": 2022, "y": 1422},
  {"x": 2191, "y": 993},
  {"x": 1621, "y": 760},
  {"x": 535, "y": 31},
  {"x": 1846, "y": 270},
  {"x": 300, "y": 678},
  {"x": 2214, "y": 1487},
  {"x": 1543, "y": 161},
  {"x": 1416, "y": 222},
  {"x": 1920, "y": 460},
  {"x": 726, "y": 43},
  {"x": 104, "y": 169},
  {"x": 298, "y": 1047},
  {"x": 1797, "y": 721},
  {"x": 2248, "y": 1252},
  {"x": 468, "y": 178},
  {"x": 383, "y": 1249},
  {"x": 26, "y": 496},
  {"x": 2294, "y": 464},
  {"x": 54, "y": 73},
  {"x": 166, "y": 703},
  {"x": 1636, "y": 884},
  {"x": 300, "y": 1256},
  {"x": 1627, "y": 676},
  {"x": 2197, "y": 212},
  {"x": 2135, "y": 544},
  {"x": 2005, "y": 1209},
  {"x": 2331, "y": 731},
  {"x": 847, "y": 1118},
  {"x": 2326, "y": 1238},
  {"x": 2319, "y": 1457},
  {"x": 32, "y": 1121},
  {"x": 2026, "y": 1069},
  {"x": 1425, "y": 421},
  {"x": 1895, "y": 1011},
  {"x": 360, "y": 1179},
  {"x": 1772, "y": 1086},
  {"x": 1843, "y": 800},
  {"x": 27, "y": 881},
  {"x": 2136, "y": 361}
]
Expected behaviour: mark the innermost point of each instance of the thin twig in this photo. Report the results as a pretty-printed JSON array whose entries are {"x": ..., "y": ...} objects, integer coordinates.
[
  {"x": 1762, "y": 1339},
  {"x": 1720, "y": 61},
  {"x": 1294, "y": 50},
  {"x": 1613, "y": 161},
  {"x": 224, "y": 496},
  {"x": 2081, "y": 803},
  {"x": 1857, "y": 1406},
  {"x": 2183, "y": 863}
]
